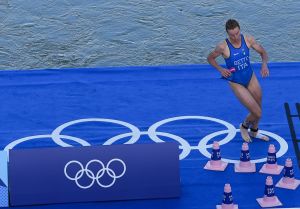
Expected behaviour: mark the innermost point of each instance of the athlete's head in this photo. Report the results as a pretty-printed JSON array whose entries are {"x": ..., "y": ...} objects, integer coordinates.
[
  {"x": 231, "y": 24},
  {"x": 233, "y": 30}
]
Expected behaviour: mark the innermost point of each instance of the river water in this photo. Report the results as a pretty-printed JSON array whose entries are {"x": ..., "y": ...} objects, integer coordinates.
[{"x": 40, "y": 34}]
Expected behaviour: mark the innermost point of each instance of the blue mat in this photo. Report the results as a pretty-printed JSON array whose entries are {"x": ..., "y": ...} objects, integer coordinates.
[{"x": 188, "y": 104}]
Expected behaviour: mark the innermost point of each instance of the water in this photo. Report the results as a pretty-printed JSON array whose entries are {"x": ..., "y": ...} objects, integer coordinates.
[{"x": 39, "y": 34}]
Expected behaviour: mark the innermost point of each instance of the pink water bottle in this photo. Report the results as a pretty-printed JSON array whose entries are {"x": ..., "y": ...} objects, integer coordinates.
[{"x": 232, "y": 70}]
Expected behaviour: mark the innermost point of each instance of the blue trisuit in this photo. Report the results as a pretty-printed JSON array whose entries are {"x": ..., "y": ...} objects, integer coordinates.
[{"x": 240, "y": 60}]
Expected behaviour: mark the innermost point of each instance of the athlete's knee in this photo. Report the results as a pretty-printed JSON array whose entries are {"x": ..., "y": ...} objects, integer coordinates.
[{"x": 257, "y": 113}]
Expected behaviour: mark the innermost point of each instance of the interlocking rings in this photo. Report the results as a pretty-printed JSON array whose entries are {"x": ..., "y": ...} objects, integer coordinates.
[
  {"x": 91, "y": 175},
  {"x": 153, "y": 135}
]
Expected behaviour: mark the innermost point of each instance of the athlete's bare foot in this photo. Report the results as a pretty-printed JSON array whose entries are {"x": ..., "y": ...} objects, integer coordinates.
[
  {"x": 259, "y": 136},
  {"x": 245, "y": 134}
]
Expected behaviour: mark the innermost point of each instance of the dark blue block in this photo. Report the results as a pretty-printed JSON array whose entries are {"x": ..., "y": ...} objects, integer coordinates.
[{"x": 98, "y": 173}]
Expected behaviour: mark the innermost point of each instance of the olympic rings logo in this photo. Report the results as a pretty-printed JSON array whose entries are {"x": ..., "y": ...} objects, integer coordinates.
[
  {"x": 91, "y": 175},
  {"x": 153, "y": 134}
]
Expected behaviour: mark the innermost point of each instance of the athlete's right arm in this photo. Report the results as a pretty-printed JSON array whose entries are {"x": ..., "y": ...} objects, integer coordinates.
[{"x": 211, "y": 58}]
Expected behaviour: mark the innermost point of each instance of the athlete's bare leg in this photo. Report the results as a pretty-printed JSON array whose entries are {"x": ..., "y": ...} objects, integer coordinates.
[
  {"x": 247, "y": 99},
  {"x": 255, "y": 90}
]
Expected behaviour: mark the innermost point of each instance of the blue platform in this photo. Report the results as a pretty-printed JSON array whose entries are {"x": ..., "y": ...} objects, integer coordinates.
[{"x": 188, "y": 104}]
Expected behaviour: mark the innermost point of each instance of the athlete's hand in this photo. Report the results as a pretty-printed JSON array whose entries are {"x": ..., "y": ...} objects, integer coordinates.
[
  {"x": 264, "y": 70},
  {"x": 225, "y": 72}
]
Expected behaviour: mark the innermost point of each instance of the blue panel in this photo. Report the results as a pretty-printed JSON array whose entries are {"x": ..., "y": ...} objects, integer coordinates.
[
  {"x": 100, "y": 173},
  {"x": 3, "y": 179},
  {"x": 3, "y": 167}
]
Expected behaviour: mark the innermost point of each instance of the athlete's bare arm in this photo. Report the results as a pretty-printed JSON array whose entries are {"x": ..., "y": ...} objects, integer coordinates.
[
  {"x": 211, "y": 58},
  {"x": 264, "y": 56}
]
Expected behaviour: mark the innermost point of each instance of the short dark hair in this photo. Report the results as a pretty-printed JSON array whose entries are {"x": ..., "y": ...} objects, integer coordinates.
[{"x": 231, "y": 24}]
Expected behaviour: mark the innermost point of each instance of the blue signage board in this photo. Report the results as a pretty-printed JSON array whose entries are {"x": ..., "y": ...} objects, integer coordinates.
[{"x": 96, "y": 173}]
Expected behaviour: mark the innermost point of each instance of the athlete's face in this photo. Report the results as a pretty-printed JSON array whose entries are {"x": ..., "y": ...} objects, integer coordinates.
[{"x": 234, "y": 35}]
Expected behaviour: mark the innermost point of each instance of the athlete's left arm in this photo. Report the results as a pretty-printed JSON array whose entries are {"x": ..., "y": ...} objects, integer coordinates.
[{"x": 264, "y": 56}]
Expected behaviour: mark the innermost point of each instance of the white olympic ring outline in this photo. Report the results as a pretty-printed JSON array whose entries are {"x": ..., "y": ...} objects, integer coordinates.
[
  {"x": 153, "y": 134},
  {"x": 89, "y": 173}
]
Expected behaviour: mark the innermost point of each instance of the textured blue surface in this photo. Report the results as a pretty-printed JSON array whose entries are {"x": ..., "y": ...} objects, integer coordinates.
[
  {"x": 3, "y": 196},
  {"x": 35, "y": 103}
]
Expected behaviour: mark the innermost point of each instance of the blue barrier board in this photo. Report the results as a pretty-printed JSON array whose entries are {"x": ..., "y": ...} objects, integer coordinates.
[{"x": 97, "y": 173}]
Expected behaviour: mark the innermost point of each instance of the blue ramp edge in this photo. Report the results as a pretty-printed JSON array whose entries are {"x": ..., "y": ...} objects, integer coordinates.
[
  {"x": 3, "y": 167},
  {"x": 3, "y": 180}
]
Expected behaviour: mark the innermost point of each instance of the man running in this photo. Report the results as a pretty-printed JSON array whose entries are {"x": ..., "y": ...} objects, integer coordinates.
[{"x": 240, "y": 76}]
